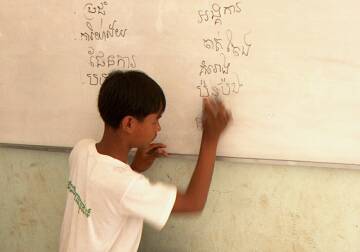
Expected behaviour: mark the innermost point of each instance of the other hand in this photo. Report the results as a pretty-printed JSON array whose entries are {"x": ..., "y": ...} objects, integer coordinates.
[
  {"x": 145, "y": 157},
  {"x": 215, "y": 117}
]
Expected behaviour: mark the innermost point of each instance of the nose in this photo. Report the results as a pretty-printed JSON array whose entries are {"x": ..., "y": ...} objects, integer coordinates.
[{"x": 158, "y": 127}]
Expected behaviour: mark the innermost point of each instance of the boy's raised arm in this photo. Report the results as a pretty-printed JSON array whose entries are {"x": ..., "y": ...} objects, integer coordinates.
[{"x": 215, "y": 119}]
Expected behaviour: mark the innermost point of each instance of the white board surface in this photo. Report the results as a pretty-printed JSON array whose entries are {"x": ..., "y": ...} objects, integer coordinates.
[{"x": 289, "y": 71}]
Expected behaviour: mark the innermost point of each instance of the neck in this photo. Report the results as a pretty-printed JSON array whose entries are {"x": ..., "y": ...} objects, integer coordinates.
[{"x": 110, "y": 145}]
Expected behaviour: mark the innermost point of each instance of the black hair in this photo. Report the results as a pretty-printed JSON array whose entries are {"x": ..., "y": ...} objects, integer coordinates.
[{"x": 129, "y": 93}]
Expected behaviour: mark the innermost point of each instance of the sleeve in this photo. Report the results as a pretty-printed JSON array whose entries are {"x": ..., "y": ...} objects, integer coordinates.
[{"x": 152, "y": 202}]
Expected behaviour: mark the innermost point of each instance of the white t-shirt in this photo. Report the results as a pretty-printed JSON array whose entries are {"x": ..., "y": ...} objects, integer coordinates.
[{"x": 107, "y": 202}]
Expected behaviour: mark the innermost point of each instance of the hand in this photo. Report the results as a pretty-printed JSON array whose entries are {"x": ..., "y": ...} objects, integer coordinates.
[
  {"x": 145, "y": 157},
  {"x": 215, "y": 117}
]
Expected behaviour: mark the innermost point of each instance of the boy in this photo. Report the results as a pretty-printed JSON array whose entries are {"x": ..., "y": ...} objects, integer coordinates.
[{"x": 108, "y": 199}]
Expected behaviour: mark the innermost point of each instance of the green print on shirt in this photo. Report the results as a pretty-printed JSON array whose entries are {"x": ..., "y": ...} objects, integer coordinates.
[{"x": 79, "y": 202}]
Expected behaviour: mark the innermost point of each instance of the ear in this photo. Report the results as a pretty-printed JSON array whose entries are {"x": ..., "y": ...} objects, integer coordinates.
[{"x": 129, "y": 123}]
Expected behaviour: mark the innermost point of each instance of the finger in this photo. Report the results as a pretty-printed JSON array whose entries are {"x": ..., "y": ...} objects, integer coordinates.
[
  {"x": 210, "y": 107},
  {"x": 220, "y": 105},
  {"x": 228, "y": 117},
  {"x": 152, "y": 147},
  {"x": 206, "y": 104},
  {"x": 157, "y": 145},
  {"x": 205, "y": 110},
  {"x": 164, "y": 154},
  {"x": 155, "y": 150},
  {"x": 161, "y": 153}
]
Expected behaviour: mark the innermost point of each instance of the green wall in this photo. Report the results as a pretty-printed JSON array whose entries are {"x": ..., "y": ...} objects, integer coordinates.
[{"x": 251, "y": 206}]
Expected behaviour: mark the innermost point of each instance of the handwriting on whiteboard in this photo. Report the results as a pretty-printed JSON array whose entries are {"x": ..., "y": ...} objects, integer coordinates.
[
  {"x": 100, "y": 33},
  {"x": 217, "y": 75},
  {"x": 225, "y": 44},
  {"x": 217, "y": 12},
  {"x": 100, "y": 26}
]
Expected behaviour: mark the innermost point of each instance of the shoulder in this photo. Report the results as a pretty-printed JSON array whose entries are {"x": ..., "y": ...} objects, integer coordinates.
[
  {"x": 84, "y": 143},
  {"x": 81, "y": 146}
]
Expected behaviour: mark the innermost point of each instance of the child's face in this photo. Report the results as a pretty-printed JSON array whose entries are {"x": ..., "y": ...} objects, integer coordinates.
[{"x": 148, "y": 129}]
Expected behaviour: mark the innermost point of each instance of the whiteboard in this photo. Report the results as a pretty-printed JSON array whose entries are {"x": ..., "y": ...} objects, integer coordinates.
[{"x": 289, "y": 71}]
